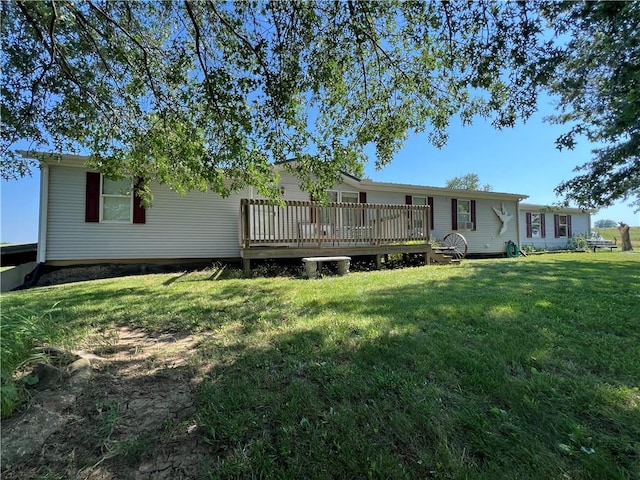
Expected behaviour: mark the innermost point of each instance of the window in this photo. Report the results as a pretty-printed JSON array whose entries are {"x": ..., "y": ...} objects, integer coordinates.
[
  {"x": 417, "y": 219},
  {"x": 117, "y": 205},
  {"x": 535, "y": 225},
  {"x": 463, "y": 214},
  {"x": 349, "y": 217},
  {"x": 411, "y": 200},
  {"x": 112, "y": 201},
  {"x": 328, "y": 215},
  {"x": 562, "y": 225}
]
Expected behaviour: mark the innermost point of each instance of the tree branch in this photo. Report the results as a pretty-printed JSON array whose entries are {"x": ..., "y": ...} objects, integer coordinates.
[
  {"x": 142, "y": 48},
  {"x": 244, "y": 40},
  {"x": 198, "y": 36}
]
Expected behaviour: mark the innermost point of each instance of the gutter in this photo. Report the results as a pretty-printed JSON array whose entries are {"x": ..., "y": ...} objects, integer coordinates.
[{"x": 519, "y": 219}]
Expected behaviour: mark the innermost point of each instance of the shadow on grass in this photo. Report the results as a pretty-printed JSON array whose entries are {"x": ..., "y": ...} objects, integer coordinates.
[{"x": 514, "y": 369}]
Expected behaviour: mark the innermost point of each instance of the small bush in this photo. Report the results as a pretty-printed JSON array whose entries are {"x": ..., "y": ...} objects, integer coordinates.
[{"x": 577, "y": 243}]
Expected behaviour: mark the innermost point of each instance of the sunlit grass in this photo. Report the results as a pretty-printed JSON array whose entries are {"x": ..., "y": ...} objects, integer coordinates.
[{"x": 512, "y": 368}]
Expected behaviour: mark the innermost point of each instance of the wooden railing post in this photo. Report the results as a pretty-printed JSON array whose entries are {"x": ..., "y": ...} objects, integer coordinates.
[
  {"x": 427, "y": 215},
  {"x": 378, "y": 226},
  {"x": 318, "y": 233},
  {"x": 246, "y": 231}
]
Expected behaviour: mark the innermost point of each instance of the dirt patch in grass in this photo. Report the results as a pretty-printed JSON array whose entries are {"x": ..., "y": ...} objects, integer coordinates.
[{"x": 123, "y": 410}]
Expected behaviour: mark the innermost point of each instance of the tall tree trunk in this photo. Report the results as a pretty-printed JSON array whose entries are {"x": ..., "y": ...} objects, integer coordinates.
[{"x": 626, "y": 237}]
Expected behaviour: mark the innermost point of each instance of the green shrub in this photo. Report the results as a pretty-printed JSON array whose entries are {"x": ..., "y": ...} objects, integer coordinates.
[{"x": 577, "y": 243}]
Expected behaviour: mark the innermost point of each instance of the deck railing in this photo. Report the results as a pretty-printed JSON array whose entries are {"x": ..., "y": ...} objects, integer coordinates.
[{"x": 300, "y": 223}]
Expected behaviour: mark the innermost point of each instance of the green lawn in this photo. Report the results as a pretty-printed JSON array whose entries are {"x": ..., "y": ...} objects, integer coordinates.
[{"x": 522, "y": 368}]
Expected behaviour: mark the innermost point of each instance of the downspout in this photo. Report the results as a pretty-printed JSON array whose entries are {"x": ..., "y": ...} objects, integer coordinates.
[
  {"x": 518, "y": 222},
  {"x": 44, "y": 211}
]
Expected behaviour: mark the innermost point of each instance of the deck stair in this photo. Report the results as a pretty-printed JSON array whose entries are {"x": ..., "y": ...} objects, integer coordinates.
[{"x": 443, "y": 256}]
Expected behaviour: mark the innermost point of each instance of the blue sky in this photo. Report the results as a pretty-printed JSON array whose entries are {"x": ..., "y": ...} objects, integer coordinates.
[{"x": 518, "y": 160}]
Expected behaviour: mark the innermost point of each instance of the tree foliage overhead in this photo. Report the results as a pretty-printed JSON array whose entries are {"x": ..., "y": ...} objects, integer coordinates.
[
  {"x": 470, "y": 181},
  {"x": 204, "y": 94},
  {"x": 598, "y": 84}
]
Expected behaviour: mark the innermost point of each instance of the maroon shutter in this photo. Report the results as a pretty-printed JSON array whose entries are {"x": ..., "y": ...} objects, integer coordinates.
[
  {"x": 92, "y": 198},
  {"x": 408, "y": 200},
  {"x": 139, "y": 212},
  {"x": 569, "y": 233},
  {"x": 454, "y": 214},
  {"x": 473, "y": 214},
  {"x": 529, "y": 226},
  {"x": 543, "y": 226},
  {"x": 556, "y": 225},
  {"x": 430, "y": 203},
  {"x": 363, "y": 199}
]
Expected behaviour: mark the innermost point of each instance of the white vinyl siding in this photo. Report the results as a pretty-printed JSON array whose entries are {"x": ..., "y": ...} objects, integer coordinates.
[
  {"x": 196, "y": 225},
  {"x": 580, "y": 226},
  {"x": 484, "y": 240}
]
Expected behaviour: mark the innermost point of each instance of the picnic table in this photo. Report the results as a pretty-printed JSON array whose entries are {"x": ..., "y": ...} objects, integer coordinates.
[{"x": 601, "y": 243}]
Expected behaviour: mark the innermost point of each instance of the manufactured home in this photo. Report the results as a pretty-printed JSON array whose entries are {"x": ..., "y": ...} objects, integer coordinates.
[
  {"x": 552, "y": 228},
  {"x": 87, "y": 218}
]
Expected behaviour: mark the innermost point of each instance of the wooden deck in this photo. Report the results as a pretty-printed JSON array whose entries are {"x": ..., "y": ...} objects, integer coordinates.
[{"x": 296, "y": 229}]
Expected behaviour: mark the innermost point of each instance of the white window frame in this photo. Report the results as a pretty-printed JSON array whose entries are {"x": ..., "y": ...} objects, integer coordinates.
[
  {"x": 416, "y": 222},
  {"x": 562, "y": 226},
  {"x": 350, "y": 217},
  {"x": 462, "y": 224},
  {"x": 355, "y": 194},
  {"x": 111, "y": 195},
  {"x": 536, "y": 225},
  {"x": 340, "y": 194},
  {"x": 339, "y": 197}
]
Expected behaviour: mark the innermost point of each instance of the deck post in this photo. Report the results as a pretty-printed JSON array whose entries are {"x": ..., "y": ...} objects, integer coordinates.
[
  {"x": 246, "y": 267},
  {"x": 246, "y": 230},
  {"x": 318, "y": 232},
  {"x": 378, "y": 262},
  {"x": 426, "y": 234},
  {"x": 427, "y": 215},
  {"x": 378, "y": 226}
]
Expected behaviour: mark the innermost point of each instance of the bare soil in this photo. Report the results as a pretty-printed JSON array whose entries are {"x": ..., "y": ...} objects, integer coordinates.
[{"x": 124, "y": 410}]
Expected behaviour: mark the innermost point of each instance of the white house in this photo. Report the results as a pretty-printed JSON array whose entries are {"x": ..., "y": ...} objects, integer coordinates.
[{"x": 87, "y": 218}]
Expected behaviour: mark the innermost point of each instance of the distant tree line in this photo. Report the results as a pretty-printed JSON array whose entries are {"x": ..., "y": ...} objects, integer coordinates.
[{"x": 605, "y": 224}]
